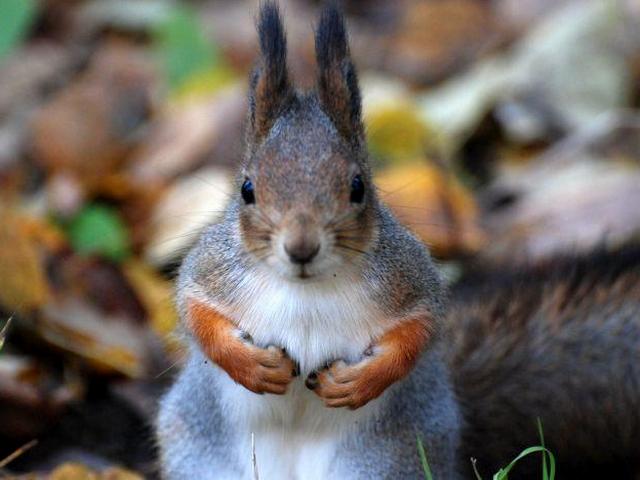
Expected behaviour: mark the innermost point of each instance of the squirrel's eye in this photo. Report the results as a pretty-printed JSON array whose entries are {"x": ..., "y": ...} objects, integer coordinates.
[
  {"x": 247, "y": 192},
  {"x": 357, "y": 189}
]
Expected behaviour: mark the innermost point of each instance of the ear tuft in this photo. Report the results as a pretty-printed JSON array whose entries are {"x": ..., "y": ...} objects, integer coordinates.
[
  {"x": 270, "y": 89},
  {"x": 337, "y": 78}
]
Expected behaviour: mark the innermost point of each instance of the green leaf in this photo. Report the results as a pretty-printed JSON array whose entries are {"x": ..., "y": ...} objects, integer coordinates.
[
  {"x": 98, "y": 229},
  {"x": 16, "y": 17},
  {"x": 183, "y": 48},
  {"x": 423, "y": 459}
]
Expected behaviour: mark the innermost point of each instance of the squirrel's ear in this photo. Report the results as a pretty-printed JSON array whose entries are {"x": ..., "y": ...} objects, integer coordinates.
[
  {"x": 270, "y": 88},
  {"x": 337, "y": 79}
]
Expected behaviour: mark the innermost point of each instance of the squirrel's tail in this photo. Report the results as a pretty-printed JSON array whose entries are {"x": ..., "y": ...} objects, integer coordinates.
[{"x": 559, "y": 342}]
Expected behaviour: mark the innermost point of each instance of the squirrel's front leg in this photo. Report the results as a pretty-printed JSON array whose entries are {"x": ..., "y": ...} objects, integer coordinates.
[
  {"x": 260, "y": 370},
  {"x": 391, "y": 358}
]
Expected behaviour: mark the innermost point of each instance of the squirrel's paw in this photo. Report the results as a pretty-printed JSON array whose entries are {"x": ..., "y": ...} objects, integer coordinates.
[
  {"x": 262, "y": 370},
  {"x": 344, "y": 385}
]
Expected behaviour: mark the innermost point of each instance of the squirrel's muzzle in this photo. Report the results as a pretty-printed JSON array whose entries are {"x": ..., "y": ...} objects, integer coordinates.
[
  {"x": 301, "y": 242},
  {"x": 302, "y": 253}
]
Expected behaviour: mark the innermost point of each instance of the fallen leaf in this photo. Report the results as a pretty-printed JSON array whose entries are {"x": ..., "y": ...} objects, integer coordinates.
[
  {"x": 73, "y": 471},
  {"x": 89, "y": 128},
  {"x": 433, "y": 204},
  {"x": 433, "y": 39},
  {"x": 156, "y": 294},
  {"x": 32, "y": 395},
  {"x": 109, "y": 343},
  {"x": 189, "y": 205},
  {"x": 580, "y": 194},
  {"x": 23, "y": 283}
]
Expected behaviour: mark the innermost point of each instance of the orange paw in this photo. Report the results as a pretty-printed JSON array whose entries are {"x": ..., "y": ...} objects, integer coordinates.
[
  {"x": 352, "y": 386},
  {"x": 261, "y": 370},
  {"x": 392, "y": 358}
]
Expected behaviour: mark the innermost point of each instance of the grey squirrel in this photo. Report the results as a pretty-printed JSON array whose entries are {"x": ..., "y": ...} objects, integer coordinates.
[{"x": 317, "y": 323}]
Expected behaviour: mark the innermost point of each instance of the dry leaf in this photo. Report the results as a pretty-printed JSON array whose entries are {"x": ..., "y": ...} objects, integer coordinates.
[
  {"x": 89, "y": 128},
  {"x": 110, "y": 343},
  {"x": 433, "y": 204},
  {"x": 189, "y": 205},
  {"x": 73, "y": 471},
  {"x": 156, "y": 294},
  {"x": 23, "y": 283}
]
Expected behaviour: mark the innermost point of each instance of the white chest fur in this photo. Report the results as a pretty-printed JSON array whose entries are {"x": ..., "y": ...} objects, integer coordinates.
[
  {"x": 296, "y": 435},
  {"x": 315, "y": 322}
]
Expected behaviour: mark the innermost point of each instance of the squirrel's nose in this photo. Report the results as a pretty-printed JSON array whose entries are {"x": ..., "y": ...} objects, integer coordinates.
[{"x": 302, "y": 252}]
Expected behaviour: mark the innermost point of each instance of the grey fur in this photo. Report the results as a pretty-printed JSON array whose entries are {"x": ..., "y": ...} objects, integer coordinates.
[{"x": 560, "y": 342}]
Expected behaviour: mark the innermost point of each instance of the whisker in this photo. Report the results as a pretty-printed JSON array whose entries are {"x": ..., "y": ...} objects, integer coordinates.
[
  {"x": 338, "y": 220},
  {"x": 265, "y": 219},
  {"x": 349, "y": 237},
  {"x": 347, "y": 247}
]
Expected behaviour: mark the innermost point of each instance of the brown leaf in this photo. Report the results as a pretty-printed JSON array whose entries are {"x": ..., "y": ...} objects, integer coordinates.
[
  {"x": 110, "y": 343},
  {"x": 73, "y": 471},
  {"x": 435, "y": 38},
  {"x": 32, "y": 395},
  {"x": 433, "y": 204},
  {"x": 156, "y": 294},
  {"x": 89, "y": 128}
]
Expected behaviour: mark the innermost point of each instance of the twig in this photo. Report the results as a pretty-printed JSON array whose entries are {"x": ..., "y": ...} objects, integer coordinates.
[
  {"x": 254, "y": 461},
  {"x": 27, "y": 446},
  {"x": 4, "y": 331}
]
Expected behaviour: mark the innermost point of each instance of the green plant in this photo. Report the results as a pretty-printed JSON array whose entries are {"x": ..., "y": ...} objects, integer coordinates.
[
  {"x": 16, "y": 17},
  {"x": 423, "y": 460},
  {"x": 99, "y": 229},
  {"x": 183, "y": 48},
  {"x": 548, "y": 461}
]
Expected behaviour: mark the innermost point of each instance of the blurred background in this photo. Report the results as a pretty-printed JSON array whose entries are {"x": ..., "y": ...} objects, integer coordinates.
[{"x": 502, "y": 132}]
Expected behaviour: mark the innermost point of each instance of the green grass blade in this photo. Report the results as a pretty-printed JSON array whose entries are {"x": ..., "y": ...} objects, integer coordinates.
[
  {"x": 547, "y": 473},
  {"x": 503, "y": 473},
  {"x": 423, "y": 459}
]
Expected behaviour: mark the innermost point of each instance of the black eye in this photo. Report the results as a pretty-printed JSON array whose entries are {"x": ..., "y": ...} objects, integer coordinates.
[
  {"x": 357, "y": 189},
  {"x": 247, "y": 192}
]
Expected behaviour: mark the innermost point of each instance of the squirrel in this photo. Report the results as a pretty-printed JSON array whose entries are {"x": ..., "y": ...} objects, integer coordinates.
[
  {"x": 306, "y": 297},
  {"x": 319, "y": 327}
]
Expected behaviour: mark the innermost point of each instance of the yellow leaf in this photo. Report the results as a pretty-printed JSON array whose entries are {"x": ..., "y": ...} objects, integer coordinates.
[
  {"x": 433, "y": 204},
  {"x": 156, "y": 294},
  {"x": 23, "y": 283}
]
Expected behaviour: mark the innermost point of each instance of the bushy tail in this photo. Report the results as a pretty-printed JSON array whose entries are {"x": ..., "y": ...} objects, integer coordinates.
[{"x": 559, "y": 342}]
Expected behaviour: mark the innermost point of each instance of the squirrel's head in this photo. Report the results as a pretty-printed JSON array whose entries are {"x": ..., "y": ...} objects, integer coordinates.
[{"x": 306, "y": 201}]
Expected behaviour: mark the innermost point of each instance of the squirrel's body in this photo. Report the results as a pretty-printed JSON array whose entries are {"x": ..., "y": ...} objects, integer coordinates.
[{"x": 296, "y": 435}]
